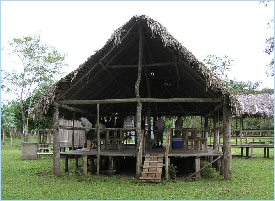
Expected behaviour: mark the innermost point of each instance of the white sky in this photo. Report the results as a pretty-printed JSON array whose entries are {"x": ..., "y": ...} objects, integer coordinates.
[{"x": 237, "y": 29}]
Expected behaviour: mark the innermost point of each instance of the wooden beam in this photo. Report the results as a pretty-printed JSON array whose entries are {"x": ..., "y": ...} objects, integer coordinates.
[
  {"x": 227, "y": 156},
  {"x": 217, "y": 107},
  {"x": 73, "y": 109},
  {"x": 56, "y": 143},
  {"x": 144, "y": 65},
  {"x": 143, "y": 100}
]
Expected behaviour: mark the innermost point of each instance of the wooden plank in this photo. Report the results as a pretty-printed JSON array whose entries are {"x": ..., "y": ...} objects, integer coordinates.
[{"x": 143, "y": 100}]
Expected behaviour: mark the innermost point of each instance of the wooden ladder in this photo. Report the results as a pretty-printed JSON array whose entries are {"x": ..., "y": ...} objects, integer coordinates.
[{"x": 152, "y": 168}]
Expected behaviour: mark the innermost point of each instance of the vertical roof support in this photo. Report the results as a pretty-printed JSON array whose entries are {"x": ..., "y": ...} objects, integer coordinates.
[
  {"x": 139, "y": 105},
  {"x": 227, "y": 155}
]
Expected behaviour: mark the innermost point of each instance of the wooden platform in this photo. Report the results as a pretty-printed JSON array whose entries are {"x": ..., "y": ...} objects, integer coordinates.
[{"x": 131, "y": 152}]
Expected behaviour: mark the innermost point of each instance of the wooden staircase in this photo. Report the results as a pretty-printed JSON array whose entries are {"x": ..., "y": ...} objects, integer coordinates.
[{"x": 152, "y": 168}]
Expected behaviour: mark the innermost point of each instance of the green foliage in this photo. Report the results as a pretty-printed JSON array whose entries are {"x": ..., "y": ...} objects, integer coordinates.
[
  {"x": 173, "y": 171},
  {"x": 253, "y": 179},
  {"x": 168, "y": 122},
  {"x": 10, "y": 116},
  {"x": 240, "y": 87}
]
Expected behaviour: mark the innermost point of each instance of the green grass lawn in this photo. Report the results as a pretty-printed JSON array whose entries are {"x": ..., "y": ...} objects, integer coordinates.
[{"x": 33, "y": 180}]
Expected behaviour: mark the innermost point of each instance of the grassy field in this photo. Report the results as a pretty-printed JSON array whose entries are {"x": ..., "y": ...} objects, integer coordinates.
[{"x": 33, "y": 180}]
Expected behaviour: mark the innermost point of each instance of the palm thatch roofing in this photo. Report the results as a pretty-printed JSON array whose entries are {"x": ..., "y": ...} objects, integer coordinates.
[
  {"x": 169, "y": 71},
  {"x": 256, "y": 105}
]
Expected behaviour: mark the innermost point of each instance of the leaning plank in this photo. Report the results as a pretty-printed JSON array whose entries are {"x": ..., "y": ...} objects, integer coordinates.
[{"x": 203, "y": 167}]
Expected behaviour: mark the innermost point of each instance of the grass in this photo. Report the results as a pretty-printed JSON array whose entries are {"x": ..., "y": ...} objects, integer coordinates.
[{"x": 33, "y": 180}]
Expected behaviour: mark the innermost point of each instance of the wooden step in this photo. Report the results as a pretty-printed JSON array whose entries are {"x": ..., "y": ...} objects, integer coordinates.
[{"x": 152, "y": 168}]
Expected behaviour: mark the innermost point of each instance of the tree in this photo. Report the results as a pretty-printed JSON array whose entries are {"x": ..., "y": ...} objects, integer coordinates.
[
  {"x": 269, "y": 49},
  {"x": 220, "y": 66},
  {"x": 40, "y": 63}
]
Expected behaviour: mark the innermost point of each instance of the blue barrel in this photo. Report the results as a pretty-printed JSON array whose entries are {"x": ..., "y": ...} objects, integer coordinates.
[{"x": 177, "y": 143}]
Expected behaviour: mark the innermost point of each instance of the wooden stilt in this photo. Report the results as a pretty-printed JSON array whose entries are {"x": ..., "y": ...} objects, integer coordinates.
[
  {"x": 198, "y": 167},
  {"x": 98, "y": 141},
  {"x": 206, "y": 132},
  {"x": 167, "y": 149},
  {"x": 227, "y": 156},
  {"x": 56, "y": 143},
  {"x": 110, "y": 165},
  {"x": 85, "y": 165},
  {"x": 73, "y": 131},
  {"x": 66, "y": 163},
  {"x": 215, "y": 140},
  {"x": 139, "y": 140}
]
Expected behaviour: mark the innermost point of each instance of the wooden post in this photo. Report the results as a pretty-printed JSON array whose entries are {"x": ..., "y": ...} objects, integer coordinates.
[
  {"x": 197, "y": 167},
  {"x": 167, "y": 148},
  {"x": 227, "y": 156},
  {"x": 110, "y": 165},
  {"x": 139, "y": 105},
  {"x": 215, "y": 140},
  {"x": 98, "y": 141},
  {"x": 206, "y": 130},
  {"x": 139, "y": 139},
  {"x": 148, "y": 136},
  {"x": 56, "y": 143},
  {"x": 73, "y": 132},
  {"x": 85, "y": 165},
  {"x": 241, "y": 130},
  {"x": 66, "y": 163}
]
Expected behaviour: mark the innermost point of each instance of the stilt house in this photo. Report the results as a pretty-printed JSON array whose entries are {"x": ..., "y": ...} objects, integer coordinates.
[{"x": 143, "y": 71}]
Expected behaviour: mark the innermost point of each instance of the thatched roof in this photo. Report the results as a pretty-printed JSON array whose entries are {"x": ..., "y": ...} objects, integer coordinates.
[
  {"x": 103, "y": 76},
  {"x": 256, "y": 105}
]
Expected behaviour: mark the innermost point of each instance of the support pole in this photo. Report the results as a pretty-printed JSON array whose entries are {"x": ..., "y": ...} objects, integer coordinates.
[
  {"x": 227, "y": 156},
  {"x": 198, "y": 167},
  {"x": 167, "y": 148},
  {"x": 139, "y": 105},
  {"x": 206, "y": 130},
  {"x": 73, "y": 131},
  {"x": 139, "y": 139},
  {"x": 56, "y": 143},
  {"x": 216, "y": 138},
  {"x": 98, "y": 141}
]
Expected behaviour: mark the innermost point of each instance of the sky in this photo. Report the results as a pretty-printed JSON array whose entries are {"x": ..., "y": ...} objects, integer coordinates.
[{"x": 237, "y": 29}]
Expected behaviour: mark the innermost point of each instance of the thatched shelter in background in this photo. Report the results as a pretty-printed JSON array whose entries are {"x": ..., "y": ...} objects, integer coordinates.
[
  {"x": 143, "y": 71},
  {"x": 256, "y": 105}
]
